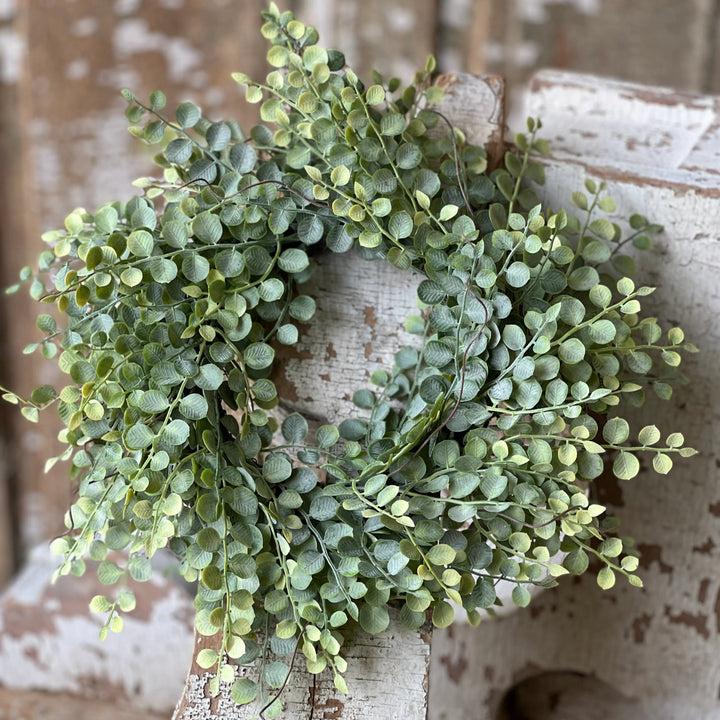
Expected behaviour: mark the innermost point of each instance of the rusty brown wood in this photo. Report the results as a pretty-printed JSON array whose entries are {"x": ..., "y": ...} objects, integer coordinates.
[
  {"x": 38, "y": 705},
  {"x": 68, "y": 146}
]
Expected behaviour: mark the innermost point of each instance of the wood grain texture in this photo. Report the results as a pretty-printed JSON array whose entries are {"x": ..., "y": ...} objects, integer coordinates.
[
  {"x": 476, "y": 105},
  {"x": 387, "y": 678},
  {"x": 50, "y": 641},
  {"x": 659, "y": 646},
  {"x": 393, "y": 37},
  {"x": 463, "y": 34},
  {"x": 36, "y": 705}
]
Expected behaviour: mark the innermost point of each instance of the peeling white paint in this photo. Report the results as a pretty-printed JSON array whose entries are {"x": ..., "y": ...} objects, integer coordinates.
[
  {"x": 523, "y": 54},
  {"x": 77, "y": 69},
  {"x": 535, "y": 11},
  {"x": 147, "y": 662},
  {"x": 7, "y": 9},
  {"x": 98, "y": 140},
  {"x": 133, "y": 36},
  {"x": 118, "y": 77},
  {"x": 315, "y": 13},
  {"x": 455, "y": 13},
  {"x": 401, "y": 20},
  {"x": 126, "y": 7},
  {"x": 84, "y": 27},
  {"x": 12, "y": 49}
]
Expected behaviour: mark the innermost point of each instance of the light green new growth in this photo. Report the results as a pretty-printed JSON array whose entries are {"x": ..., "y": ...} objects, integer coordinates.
[{"x": 533, "y": 343}]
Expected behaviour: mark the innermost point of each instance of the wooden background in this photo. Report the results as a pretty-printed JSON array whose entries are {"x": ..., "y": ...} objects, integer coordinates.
[{"x": 63, "y": 143}]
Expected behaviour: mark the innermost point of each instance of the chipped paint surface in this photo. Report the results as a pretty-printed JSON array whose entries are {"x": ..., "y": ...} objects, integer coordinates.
[
  {"x": 12, "y": 49},
  {"x": 536, "y": 11},
  {"x": 361, "y": 308},
  {"x": 671, "y": 629},
  {"x": 134, "y": 36},
  {"x": 386, "y": 677},
  {"x": 44, "y": 628}
]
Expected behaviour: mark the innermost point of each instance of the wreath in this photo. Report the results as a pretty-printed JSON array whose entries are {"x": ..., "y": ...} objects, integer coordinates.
[{"x": 470, "y": 461}]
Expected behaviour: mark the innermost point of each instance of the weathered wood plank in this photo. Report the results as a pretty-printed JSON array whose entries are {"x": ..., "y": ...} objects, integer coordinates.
[
  {"x": 394, "y": 38},
  {"x": 36, "y": 705},
  {"x": 644, "y": 41},
  {"x": 72, "y": 149},
  {"x": 49, "y": 641},
  {"x": 476, "y": 105},
  {"x": 398, "y": 654},
  {"x": 630, "y": 639},
  {"x": 358, "y": 326},
  {"x": 463, "y": 33},
  {"x": 631, "y": 134}
]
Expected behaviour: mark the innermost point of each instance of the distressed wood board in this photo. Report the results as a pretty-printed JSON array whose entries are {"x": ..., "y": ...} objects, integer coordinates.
[
  {"x": 362, "y": 305},
  {"x": 387, "y": 678},
  {"x": 49, "y": 640},
  {"x": 37, "y": 705},
  {"x": 358, "y": 326},
  {"x": 658, "y": 647}
]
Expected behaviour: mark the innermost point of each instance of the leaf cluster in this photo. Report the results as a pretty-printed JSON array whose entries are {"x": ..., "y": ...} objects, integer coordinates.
[{"x": 469, "y": 465}]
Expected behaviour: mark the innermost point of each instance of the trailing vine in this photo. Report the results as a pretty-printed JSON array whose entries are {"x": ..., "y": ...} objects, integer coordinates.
[{"x": 470, "y": 463}]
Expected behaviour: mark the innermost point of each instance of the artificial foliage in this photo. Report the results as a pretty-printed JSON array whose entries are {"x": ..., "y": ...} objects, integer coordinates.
[{"x": 468, "y": 461}]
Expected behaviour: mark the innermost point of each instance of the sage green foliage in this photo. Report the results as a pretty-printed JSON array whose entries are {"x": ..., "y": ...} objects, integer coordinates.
[{"x": 533, "y": 342}]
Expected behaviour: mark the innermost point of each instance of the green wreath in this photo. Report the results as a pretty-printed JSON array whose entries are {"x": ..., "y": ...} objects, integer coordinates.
[{"x": 174, "y": 302}]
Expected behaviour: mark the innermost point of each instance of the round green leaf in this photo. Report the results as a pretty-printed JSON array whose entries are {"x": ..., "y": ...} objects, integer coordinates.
[
  {"x": 194, "y": 406},
  {"x": 373, "y": 619},
  {"x": 626, "y": 466},
  {"x": 258, "y": 355}
]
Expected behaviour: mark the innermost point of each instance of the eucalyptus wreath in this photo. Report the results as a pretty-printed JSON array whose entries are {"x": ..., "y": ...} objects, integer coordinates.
[{"x": 469, "y": 459}]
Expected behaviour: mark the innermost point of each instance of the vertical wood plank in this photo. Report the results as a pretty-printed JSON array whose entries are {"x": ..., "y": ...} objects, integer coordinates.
[
  {"x": 361, "y": 307},
  {"x": 463, "y": 34},
  {"x": 15, "y": 318},
  {"x": 72, "y": 149},
  {"x": 658, "y": 151},
  {"x": 393, "y": 37},
  {"x": 387, "y": 680}
]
